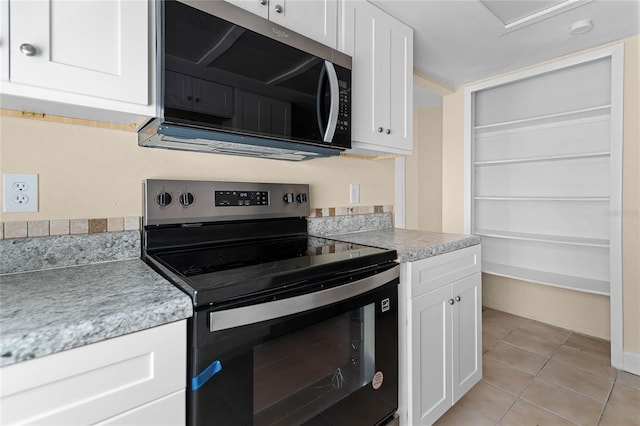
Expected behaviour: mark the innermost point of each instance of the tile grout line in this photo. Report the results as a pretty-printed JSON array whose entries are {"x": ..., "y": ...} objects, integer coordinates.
[
  {"x": 519, "y": 396},
  {"x": 549, "y": 411},
  {"x": 606, "y": 401}
]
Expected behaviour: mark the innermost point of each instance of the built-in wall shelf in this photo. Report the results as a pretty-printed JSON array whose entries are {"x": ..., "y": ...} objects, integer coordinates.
[
  {"x": 543, "y": 177},
  {"x": 541, "y": 166},
  {"x": 554, "y": 239},
  {"x": 583, "y": 284}
]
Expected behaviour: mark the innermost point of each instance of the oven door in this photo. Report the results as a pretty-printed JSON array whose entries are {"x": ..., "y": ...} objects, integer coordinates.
[{"x": 324, "y": 358}]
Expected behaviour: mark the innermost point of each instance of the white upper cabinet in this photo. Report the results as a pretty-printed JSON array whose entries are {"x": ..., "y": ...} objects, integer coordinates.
[
  {"x": 96, "y": 49},
  {"x": 316, "y": 19},
  {"x": 4, "y": 40},
  {"x": 382, "y": 78}
]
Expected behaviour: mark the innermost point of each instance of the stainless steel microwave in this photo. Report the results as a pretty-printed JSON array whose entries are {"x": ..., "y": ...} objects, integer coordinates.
[{"x": 230, "y": 82}]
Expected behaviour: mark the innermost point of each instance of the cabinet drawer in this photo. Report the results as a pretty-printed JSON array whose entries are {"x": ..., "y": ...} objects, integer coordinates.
[
  {"x": 95, "y": 382},
  {"x": 434, "y": 272}
]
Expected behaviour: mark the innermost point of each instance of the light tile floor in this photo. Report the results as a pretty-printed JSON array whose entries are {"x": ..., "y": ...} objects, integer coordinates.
[{"x": 537, "y": 374}]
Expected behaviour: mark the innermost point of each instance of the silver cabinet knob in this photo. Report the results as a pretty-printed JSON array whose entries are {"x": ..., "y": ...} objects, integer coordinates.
[
  {"x": 278, "y": 8},
  {"x": 451, "y": 302},
  {"x": 380, "y": 129},
  {"x": 27, "y": 49},
  {"x": 263, "y": 2},
  {"x": 388, "y": 131},
  {"x": 458, "y": 298}
]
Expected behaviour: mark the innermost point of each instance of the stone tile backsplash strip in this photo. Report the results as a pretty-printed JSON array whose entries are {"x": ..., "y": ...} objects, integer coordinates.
[{"x": 45, "y": 228}]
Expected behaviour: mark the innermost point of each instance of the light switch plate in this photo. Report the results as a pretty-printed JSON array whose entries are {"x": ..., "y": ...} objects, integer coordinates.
[{"x": 20, "y": 193}]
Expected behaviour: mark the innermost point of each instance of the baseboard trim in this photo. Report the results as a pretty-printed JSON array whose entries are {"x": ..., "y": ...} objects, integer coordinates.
[{"x": 632, "y": 362}]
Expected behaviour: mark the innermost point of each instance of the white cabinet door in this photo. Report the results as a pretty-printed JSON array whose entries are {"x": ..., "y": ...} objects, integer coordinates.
[
  {"x": 382, "y": 79},
  {"x": 96, "y": 48},
  {"x": 257, "y": 7},
  {"x": 430, "y": 352},
  {"x": 96, "y": 382},
  {"x": 166, "y": 411},
  {"x": 467, "y": 334},
  {"x": 316, "y": 19},
  {"x": 4, "y": 40}
]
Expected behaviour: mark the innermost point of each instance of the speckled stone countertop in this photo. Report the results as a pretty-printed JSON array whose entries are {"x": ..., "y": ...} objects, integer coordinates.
[
  {"x": 411, "y": 245},
  {"x": 48, "y": 311}
]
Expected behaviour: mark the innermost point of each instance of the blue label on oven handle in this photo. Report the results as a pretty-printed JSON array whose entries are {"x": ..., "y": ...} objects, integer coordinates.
[{"x": 204, "y": 376}]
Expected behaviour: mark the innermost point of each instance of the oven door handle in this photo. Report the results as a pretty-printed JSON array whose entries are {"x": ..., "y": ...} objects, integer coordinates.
[{"x": 222, "y": 320}]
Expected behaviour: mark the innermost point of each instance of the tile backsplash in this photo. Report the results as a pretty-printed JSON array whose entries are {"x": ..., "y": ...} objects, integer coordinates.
[{"x": 46, "y": 228}]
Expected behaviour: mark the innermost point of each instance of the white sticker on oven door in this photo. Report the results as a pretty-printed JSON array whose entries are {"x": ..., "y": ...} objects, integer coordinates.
[
  {"x": 377, "y": 380},
  {"x": 385, "y": 305}
]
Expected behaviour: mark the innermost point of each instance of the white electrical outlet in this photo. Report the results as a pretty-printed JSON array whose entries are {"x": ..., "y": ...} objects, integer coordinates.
[
  {"x": 20, "y": 193},
  {"x": 354, "y": 193}
]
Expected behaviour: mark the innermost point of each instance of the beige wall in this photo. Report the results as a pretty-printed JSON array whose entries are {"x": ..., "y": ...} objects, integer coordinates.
[
  {"x": 88, "y": 172},
  {"x": 423, "y": 172},
  {"x": 577, "y": 311}
]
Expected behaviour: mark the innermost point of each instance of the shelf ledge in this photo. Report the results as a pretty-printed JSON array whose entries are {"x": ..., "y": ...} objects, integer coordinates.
[
  {"x": 542, "y": 159},
  {"x": 585, "y": 285},
  {"x": 514, "y": 198},
  {"x": 555, "y": 239},
  {"x": 545, "y": 119}
]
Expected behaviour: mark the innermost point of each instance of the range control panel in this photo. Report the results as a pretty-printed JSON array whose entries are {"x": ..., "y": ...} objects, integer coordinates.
[
  {"x": 189, "y": 202},
  {"x": 241, "y": 198}
]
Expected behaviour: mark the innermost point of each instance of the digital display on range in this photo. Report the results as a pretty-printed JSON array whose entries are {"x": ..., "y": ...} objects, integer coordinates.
[{"x": 241, "y": 198}]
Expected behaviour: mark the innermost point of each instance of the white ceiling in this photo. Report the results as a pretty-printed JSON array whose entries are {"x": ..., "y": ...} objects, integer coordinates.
[{"x": 460, "y": 41}]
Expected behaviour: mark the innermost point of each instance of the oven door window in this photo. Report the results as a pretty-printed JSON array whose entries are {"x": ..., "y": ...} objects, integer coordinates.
[{"x": 336, "y": 365}]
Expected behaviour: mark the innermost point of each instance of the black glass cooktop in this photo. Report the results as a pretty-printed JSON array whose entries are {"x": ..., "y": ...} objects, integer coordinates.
[{"x": 257, "y": 271}]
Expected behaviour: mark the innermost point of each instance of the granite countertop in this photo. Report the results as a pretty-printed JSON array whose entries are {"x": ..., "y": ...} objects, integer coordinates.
[
  {"x": 48, "y": 311},
  {"x": 411, "y": 245}
]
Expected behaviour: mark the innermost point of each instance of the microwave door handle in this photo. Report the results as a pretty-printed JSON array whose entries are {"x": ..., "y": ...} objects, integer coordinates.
[
  {"x": 332, "y": 123},
  {"x": 320, "y": 101}
]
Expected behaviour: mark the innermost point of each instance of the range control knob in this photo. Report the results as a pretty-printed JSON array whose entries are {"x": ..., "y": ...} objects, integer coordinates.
[
  {"x": 164, "y": 199},
  {"x": 288, "y": 197},
  {"x": 186, "y": 199},
  {"x": 302, "y": 197}
]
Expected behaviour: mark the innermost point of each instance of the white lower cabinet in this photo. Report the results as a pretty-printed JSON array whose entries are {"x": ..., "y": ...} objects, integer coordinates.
[
  {"x": 137, "y": 378},
  {"x": 441, "y": 344}
]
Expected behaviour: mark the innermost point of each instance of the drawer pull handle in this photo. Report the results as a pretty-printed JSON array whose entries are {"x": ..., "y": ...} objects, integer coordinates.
[
  {"x": 451, "y": 302},
  {"x": 458, "y": 298}
]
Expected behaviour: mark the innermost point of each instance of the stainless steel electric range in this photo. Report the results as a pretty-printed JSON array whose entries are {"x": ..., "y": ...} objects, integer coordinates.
[{"x": 287, "y": 328}]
